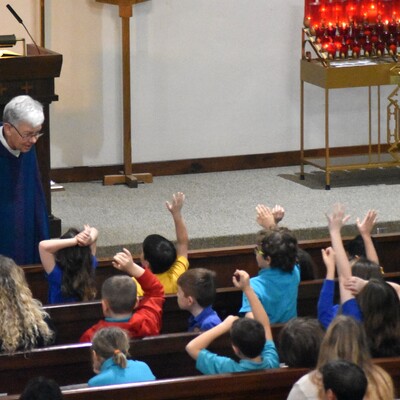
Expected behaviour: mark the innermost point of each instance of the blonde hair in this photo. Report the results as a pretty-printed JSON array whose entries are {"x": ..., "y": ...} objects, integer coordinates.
[
  {"x": 112, "y": 343},
  {"x": 24, "y": 314},
  {"x": 346, "y": 339}
]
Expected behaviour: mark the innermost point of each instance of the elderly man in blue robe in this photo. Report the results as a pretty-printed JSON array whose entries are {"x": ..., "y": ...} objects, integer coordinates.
[{"x": 23, "y": 213}]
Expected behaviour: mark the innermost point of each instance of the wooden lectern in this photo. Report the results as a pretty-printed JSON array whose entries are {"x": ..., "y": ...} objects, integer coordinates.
[
  {"x": 34, "y": 75},
  {"x": 127, "y": 177}
]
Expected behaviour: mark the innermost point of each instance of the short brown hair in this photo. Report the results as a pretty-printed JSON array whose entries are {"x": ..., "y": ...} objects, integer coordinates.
[
  {"x": 200, "y": 284},
  {"x": 120, "y": 292}
]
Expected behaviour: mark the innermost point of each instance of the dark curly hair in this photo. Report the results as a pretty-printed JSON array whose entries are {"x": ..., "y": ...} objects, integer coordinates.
[{"x": 281, "y": 246}]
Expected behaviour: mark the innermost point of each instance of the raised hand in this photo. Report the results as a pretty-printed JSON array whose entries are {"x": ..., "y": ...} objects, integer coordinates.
[
  {"x": 241, "y": 279},
  {"x": 329, "y": 257},
  {"x": 176, "y": 204},
  {"x": 278, "y": 212},
  {"x": 337, "y": 218},
  {"x": 265, "y": 218},
  {"x": 367, "y": 224}
]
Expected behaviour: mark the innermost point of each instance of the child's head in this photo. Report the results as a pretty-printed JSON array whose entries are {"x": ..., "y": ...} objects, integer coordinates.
[
  {"x": 365, "y": 269},
  {"x": 76, "y": 264},
  {"x": 110, "y": 343},
  {"x": 119, "y": 293},
  {"x": 299, "y": 342},
  {"x": 380, "y": 306},
  {"x": 343, "y": 380},
  {"x": 41, "y": 388},
  {"x": 344, "y": 339},
  {"x": 196, "y": 285},
  {"x": 279, "y": 249},
  {"x": 355, "y": 248},
  {"x": 159, "y": 252},
  {"x": 248, "y": 337}
]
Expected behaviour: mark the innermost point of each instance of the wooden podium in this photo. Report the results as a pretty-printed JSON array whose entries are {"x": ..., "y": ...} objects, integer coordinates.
[
  {"x": 34, "y": 75},
  {"x": 127, "y": 177}
]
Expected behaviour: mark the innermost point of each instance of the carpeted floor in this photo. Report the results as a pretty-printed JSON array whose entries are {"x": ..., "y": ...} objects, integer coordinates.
[{"x": 220, "y": 207}]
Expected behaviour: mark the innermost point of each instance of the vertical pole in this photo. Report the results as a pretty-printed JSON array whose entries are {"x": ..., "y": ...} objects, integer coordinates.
[
  {"x": 42, "y": 23},
  {"x": 327, "y": 161},
  {"x": 302, "y": 129},
  {"x": 125, "y": 12}
]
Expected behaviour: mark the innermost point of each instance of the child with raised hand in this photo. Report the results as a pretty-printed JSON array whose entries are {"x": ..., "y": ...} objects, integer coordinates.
[
  {"x": 377, "y": 305},
  {"x": 159, "y": 254},
  {"x": 251, "y": 339},
  {"x": 336, "y": 220},
  {"x": 362, "y": 246},
  {"x": 110, "y": 349},
  {"x": 69, "y": 263},
  {"x": 121, "y": 307},
  {"x": 278, "y": 279},
  {"x": 196, "y": 294}
]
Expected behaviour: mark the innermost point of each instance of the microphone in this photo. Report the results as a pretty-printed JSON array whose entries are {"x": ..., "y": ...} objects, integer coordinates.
[{"x": 19, "y": 19}]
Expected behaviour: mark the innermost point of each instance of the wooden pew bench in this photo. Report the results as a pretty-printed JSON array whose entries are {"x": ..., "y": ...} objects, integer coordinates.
[
  {"x": 72, "y": 319},
  {"x": 272, "y": 385},
  {"x": 71, "y": 364},
  {"x": 224, "y": 261}
]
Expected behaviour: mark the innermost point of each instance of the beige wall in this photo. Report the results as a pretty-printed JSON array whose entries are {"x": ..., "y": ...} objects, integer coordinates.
[{"x": 209, "y": 78}]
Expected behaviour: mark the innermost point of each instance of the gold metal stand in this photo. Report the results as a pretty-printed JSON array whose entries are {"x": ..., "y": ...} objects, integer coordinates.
[
  {"x": 331, "y": 77},
  {"x": 127, "y": 177}
]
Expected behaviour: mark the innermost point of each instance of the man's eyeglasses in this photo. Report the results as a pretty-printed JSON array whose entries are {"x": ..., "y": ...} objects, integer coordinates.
[
  {"x": 27, "y": 136},
  {"x": 258, "y": 251}
]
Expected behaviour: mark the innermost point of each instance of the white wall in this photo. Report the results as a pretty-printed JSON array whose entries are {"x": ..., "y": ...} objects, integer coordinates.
[{"x": 209, "y": 78}]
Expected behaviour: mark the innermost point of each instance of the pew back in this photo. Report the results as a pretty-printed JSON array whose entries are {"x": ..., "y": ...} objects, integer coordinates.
[{"x": 224, "y": 261}]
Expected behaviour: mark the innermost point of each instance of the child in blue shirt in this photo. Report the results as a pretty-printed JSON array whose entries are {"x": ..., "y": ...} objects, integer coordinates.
[
  {"x": 69, "y": 263},
  {"x": 196, "y": 294},
  {"x": 110, "y": 348},
  {"x": 251, "y": 339}
]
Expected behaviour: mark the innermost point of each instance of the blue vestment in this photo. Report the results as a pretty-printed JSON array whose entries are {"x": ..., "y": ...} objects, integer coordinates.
[{"x": 23, "y": 213}]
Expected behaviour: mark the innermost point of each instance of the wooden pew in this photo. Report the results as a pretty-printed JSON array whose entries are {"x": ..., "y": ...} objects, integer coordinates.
[
  {"x": 224, "y": 261},
  {"x": 72, "y": 319},
  {"x": 268, "y": 384},
  {"x": 71, "y": 364}
]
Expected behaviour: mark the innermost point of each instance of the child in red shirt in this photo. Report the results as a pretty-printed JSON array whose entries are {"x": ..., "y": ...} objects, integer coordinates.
[{"x": 120, "y": 305}]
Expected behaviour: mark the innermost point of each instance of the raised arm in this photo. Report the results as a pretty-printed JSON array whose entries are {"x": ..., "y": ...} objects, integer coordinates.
[
  {"x": 124, "y": 262},
  {"x": 48, "y": 248},
  {"x": 206, "y": 338},
  {"x": 241, "y": 280},
  {"x": 327, "y": 294},
  {"x": 336, "y": 220},
  {"x": 88, "y": 237},
  {"x": 365, "y": 228},
  {"x": 182, "y": 238}
]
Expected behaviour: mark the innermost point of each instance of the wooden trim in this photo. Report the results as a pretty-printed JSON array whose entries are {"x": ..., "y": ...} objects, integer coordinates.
[{"x": 201, "y": 165}]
